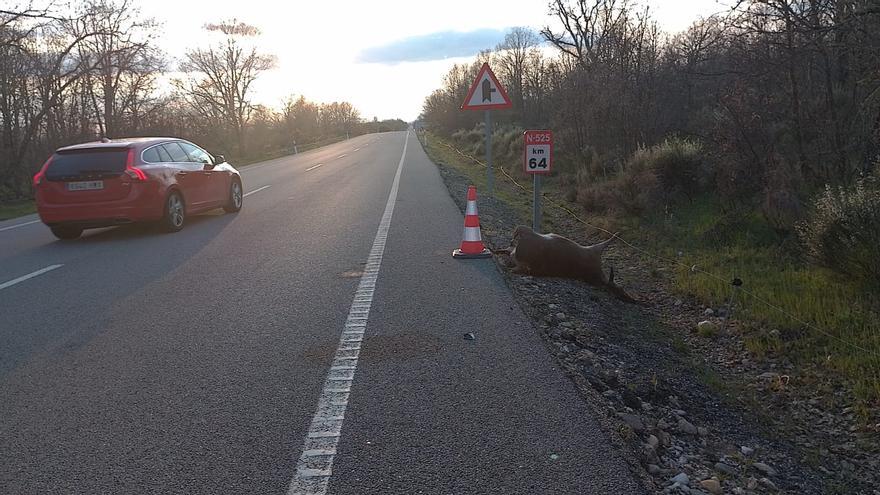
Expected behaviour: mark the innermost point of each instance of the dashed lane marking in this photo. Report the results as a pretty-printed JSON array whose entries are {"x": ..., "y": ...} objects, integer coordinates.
[
  {"x": 19, "y": 225},
  {"x": 29, "y": 276},
  {"x": 256, "y": 191}
]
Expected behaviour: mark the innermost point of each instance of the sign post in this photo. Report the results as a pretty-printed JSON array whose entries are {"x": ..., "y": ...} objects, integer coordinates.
[
  {"x": 487, "y": 94},
  {"x": 490, "y": 177},
  {"x": 537, "y": 160}
]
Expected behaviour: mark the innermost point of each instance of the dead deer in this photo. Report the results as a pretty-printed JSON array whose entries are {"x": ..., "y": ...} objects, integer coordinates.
[{"x": 552, "y": 255}]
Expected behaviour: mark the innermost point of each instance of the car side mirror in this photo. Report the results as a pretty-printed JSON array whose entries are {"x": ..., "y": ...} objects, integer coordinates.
[
  {"x": 208, "y": 166},
  {"x": 218, "y": 159}
]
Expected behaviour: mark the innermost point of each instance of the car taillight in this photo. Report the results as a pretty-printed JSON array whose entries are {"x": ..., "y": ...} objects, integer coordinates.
[
  {"x": 132, "y": 171},
  {"x": 39, "y": 176}
]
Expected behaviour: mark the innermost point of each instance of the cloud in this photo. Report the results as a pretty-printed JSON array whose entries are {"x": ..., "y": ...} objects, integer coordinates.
[{"x": 434, "y": 46}]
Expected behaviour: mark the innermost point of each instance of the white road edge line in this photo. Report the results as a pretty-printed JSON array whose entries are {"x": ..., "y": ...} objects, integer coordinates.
[
  {"x": 313, "y": 168},
  {"x": 342, "y": 155},
  {"x": 19, "y": 225},
  {"x": 315, "y": 465},
  {"x": 256, "y": 191},
  {"x": 357, "y": 149},
  {"x": 29, "y": 276}
]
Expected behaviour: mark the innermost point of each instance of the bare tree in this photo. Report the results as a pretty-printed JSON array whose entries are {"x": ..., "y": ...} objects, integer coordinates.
[
  {"x": 220, "y": 77},
  {"x": 513, "y": 53},
  {"x": 126, "y": 63},
  {"x": 35, "y": 73}
]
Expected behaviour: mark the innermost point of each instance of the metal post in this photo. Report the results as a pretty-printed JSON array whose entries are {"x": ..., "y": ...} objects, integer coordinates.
[
  {"x": 536, "y": 204},
  {"x": 490, "y": 179}
]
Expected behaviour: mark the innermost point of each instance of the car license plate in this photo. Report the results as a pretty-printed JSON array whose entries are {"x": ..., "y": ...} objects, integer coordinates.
[{"x": 90, "y": 185}]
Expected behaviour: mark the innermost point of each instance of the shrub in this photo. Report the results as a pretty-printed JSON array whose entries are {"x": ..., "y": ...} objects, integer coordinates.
[
  {"x": 843, "y": 233},
  {"x": 678, "y": 164},
  {"x": 653, "y": 177},
  {"x": 633, "y": 191}
]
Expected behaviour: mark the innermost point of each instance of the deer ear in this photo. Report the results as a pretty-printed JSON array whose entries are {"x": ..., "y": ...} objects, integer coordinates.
[{"x": 611, "y": 276}]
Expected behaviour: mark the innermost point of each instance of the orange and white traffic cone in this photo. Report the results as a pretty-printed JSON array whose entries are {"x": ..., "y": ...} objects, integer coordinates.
[{"x": 472, "y": 241}]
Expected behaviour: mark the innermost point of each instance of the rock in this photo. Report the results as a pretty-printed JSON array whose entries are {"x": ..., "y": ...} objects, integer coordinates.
[
  {"x": 470, "y": 336},
  {"x": 768, "y": 376},
  {"x": 650, "y": 454},
  {"x": 709, "y": 312},
  {"x": 725, "y": 469},
  {"x": 560, "y": 316},
  {"x": 654, "y": 469},
  {"x": 609, "y": 394},
  {"x": 765, "y": 469},
  {"x": 552, "y": 306},
  {"x": 630, "y": 399},
  {"x": 746, "y": 451},
  {"x": 766, "y": 483},
  {"x": 586, "y": 356},
  {"x": 685, "y": 426},
  {"x": 597, "y": 383},
  {"x": 751, "y": 484},
  {"x": 681, "y": 479},
  {"x": 653, "y": 441},
  {"x": 679, "y": 302},
  {"x": 703, "y": 431},
  {"x": 712, "y": 486},
  {"x": 633, "y": 421}
]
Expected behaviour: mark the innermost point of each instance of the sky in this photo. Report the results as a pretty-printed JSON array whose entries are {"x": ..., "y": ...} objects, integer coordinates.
[{"x": 383, "y": 56}]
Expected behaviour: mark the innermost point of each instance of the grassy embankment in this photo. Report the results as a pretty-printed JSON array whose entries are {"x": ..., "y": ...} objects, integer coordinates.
[
  {"x": 811, "y": 316},
  {"x": 16, "y": 209}
]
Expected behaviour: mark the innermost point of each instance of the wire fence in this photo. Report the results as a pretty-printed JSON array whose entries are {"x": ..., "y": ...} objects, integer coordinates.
[{"x": 665, "y": 259}]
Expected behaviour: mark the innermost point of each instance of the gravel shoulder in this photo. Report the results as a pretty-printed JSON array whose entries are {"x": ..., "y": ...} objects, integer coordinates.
[{"x": 696, "y": 412}]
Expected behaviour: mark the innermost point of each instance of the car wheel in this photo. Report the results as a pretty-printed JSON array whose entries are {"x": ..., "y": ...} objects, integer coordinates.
[
  {"x": 236, "y": 196},
  {"x": 66, "y": 232},
  {"x": 175, "y": 213}
]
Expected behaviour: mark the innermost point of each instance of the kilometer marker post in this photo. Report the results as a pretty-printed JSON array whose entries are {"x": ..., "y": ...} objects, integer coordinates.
[{"x": 537, "y": 161}]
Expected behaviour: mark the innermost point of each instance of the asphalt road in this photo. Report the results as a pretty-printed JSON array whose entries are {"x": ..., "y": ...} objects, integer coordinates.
[{"x": 138, "y": 362}]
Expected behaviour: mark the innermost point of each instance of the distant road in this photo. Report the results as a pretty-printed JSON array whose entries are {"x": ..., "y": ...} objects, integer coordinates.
[{"x": 138, "y": 362}]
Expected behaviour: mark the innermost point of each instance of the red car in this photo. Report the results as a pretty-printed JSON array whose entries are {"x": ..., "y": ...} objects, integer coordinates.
[{"x": 121, "y": 181}]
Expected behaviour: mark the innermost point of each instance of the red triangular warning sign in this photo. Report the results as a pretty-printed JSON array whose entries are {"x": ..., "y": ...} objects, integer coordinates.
[{"x": 486, "y": 92}]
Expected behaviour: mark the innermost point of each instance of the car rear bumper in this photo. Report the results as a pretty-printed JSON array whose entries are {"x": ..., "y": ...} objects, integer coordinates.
[{"x": 143, "y": 207}]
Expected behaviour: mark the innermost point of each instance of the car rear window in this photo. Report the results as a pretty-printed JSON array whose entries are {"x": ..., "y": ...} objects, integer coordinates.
[{"x": 76, "y": 163}]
